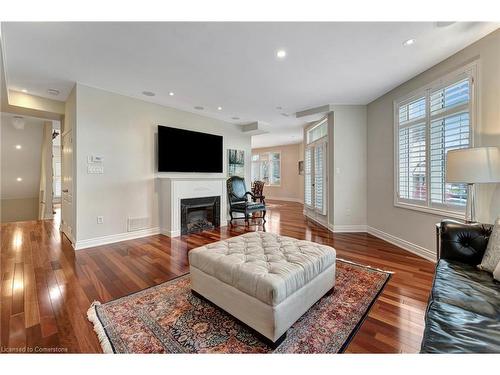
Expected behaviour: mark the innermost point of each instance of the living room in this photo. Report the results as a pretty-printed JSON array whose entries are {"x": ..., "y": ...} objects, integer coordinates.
[{"x": 250, "y": 187}]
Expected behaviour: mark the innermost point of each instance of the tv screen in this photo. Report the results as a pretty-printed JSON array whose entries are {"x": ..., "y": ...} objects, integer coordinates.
[{"x": 188, "y": 151}]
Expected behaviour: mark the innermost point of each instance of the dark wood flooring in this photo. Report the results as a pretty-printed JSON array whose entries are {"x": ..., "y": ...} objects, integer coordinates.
[{"x": 47, "y": 287}]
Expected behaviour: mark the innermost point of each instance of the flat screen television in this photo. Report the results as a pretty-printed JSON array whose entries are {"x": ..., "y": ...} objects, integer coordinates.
[{"x": 182, "y": 150}]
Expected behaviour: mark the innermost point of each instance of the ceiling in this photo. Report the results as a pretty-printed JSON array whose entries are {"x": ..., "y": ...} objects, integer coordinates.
[
  {"x": 232, "y": 65},
  {"x": 21, "y": 163}
]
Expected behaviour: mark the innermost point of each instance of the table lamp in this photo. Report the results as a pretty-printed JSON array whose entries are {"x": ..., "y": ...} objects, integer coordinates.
[{"x": 472, "y": 166}]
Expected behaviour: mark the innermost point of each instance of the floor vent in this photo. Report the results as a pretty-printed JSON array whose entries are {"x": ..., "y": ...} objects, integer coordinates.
[{"x": 137, "y": 223}]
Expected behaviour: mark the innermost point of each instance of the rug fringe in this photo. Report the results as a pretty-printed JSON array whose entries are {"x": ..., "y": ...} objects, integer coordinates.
[
  {"x": 99, "y": 328},
  {"x": 364, "y": 265}
]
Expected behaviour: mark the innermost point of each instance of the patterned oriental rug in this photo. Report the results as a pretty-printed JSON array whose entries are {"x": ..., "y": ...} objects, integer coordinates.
[{"x": 168, "y": 318}]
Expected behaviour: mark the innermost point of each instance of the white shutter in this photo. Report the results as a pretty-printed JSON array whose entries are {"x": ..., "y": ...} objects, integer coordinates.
[
  {"x": 427, "y": 126},
  {"x": 449, "y": 130},
  {"x": 308, "y": 177},
  {"x": 319, "y": 178}
]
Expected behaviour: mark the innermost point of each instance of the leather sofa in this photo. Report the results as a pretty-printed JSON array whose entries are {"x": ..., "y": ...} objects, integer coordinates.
[{"x": 463, "y": 313}]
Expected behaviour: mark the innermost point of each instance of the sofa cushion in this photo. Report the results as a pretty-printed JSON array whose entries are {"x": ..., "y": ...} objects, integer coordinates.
[
  {"x": 451, "y": 329},
  {"x": 463, "y": 314},
  {"x": 496, "y": 273},
  {"x": 466, "y": 287},
  {"x": 264, "y": 265},
  {"x": 492, "y": 254}
]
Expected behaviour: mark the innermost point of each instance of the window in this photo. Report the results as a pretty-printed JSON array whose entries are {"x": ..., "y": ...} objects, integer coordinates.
[
  {"x": 318, "y": 131},
  {"x": 267, "y": 167},
  {"x": 428, "y": 124}
]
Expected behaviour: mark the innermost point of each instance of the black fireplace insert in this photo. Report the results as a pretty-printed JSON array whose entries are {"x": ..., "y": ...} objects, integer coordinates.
[{"x": 199, "y": 214}]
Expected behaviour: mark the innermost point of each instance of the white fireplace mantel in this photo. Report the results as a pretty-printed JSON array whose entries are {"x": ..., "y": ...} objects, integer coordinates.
[{"x": 173, "y": 189}]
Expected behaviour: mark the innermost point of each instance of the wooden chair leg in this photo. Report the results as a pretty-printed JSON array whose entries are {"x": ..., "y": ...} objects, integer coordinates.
[{"x": 263, "y": 216}]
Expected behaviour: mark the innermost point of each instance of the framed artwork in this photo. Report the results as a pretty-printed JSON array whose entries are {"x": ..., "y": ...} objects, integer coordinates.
[
  {"x": 236, "y": 163},
  {"x": 301, "y": 167}
]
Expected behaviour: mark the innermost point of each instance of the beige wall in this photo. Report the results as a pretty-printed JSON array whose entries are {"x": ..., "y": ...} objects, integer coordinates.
[
  {"x": 123, "y": 130},
  {"x": 19, "y": 209},
  {"x": 292, "y": 184},
  {"x": 413, "y": 226}
]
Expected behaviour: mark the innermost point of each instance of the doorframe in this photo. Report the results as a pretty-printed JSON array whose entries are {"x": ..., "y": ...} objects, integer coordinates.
[
  {"x": 69, "y": 233},
  {"x": 311, "y": 212}
]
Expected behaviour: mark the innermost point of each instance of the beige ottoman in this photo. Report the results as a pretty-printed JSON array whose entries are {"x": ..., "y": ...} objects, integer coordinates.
[{"x": 265, "y": 280}]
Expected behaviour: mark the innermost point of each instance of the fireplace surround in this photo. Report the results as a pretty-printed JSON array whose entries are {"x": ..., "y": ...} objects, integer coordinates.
[
  {"x": 198, "y": 214},
  {"x": 173, "y": 189}
]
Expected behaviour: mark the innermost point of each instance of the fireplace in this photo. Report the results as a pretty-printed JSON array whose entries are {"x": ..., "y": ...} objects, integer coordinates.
[{"x": 198, "y": 214}]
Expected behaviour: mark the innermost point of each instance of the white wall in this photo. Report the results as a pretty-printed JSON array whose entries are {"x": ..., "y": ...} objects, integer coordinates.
[
  {"x": 122, "y": 130},
  {"x": 418, "y": 228},
  {"x": 348, "y": 170},
  {"x": 24, "y": 163}
]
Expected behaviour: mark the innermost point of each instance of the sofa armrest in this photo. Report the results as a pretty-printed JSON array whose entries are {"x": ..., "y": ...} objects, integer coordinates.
[{"x": 465, "y": 243}]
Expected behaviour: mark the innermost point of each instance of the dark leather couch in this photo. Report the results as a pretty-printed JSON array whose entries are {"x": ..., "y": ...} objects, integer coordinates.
[{"x": 463, "y": 314}]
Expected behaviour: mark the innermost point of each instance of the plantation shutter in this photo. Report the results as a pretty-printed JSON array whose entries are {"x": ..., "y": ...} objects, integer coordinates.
[
  {"x": 449, "y": 130},
  {"x": 308, "y": 177},
  {"x": 412, "y": 151},
  {"x": 427, "y": 126},
  {"x": 319, "y": 178}
]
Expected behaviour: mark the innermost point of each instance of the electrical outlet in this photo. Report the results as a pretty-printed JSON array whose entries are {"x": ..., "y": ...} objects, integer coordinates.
[{"x": 100, "y": 219}]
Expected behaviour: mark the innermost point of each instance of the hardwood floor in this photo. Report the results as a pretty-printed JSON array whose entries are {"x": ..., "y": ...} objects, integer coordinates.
[{"x": 47, "y": 287}]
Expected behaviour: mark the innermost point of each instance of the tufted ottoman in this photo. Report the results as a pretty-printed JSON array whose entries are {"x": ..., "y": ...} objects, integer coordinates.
[{"x": 265, "y": 280}]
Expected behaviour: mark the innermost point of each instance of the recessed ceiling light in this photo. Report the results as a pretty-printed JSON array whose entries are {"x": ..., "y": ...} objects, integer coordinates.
[
  {"x": 18, "y": 147},
  {"x": 199, "y": 108},
  {"x": 54, "y": 92},
  {"x": 19, "y": 179},
  {"x": 281, "y": 54},
  {"x": 219, "y": 108},
  {"x": 148, "y": 93},
  {"x": 409, "y": 42},
  {"x": 279, "y": 108},
  {"x": 24, "y": 90},
  {"x": 235, "y": 118},
  {"x": 171, "y": 93}
]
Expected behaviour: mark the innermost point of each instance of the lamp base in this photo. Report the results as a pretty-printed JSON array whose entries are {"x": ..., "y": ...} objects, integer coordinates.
[{"x": 470, "y": 210}]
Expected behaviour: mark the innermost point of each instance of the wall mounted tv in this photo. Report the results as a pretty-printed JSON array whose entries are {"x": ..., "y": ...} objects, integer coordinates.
[{"x": 182, "y": 150}]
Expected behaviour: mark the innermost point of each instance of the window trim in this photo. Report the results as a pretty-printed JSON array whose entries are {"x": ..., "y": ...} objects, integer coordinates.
[
  {"x": 269, "y": 159},
  {"x": 468, "y": 71},
  {"x": 318, "y": 123}
]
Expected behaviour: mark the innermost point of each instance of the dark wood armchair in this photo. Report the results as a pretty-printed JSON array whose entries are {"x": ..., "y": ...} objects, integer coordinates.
[
  {"x": 258, "y": 191},
  {"x": 237, "y": 196}
]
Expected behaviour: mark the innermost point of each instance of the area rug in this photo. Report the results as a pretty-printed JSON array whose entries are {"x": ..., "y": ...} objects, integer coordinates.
[{"x": 168, "y": 318}]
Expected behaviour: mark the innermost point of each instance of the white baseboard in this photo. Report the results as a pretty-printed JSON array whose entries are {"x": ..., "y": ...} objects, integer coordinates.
[
  {"x": 409, "y": 246},
  {"x": 286, "y": 199},
  {"x": 104, "y": 240},
  {"x": 170, "y": 233},
  {"x": 350, "y": 228}
]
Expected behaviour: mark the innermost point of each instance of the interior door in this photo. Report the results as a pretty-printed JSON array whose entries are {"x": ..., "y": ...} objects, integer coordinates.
[{"x": 67, "y": 209}]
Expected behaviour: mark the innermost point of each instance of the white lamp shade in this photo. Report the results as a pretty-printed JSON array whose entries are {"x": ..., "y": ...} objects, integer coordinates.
[{"x": 473, "y": 165}]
